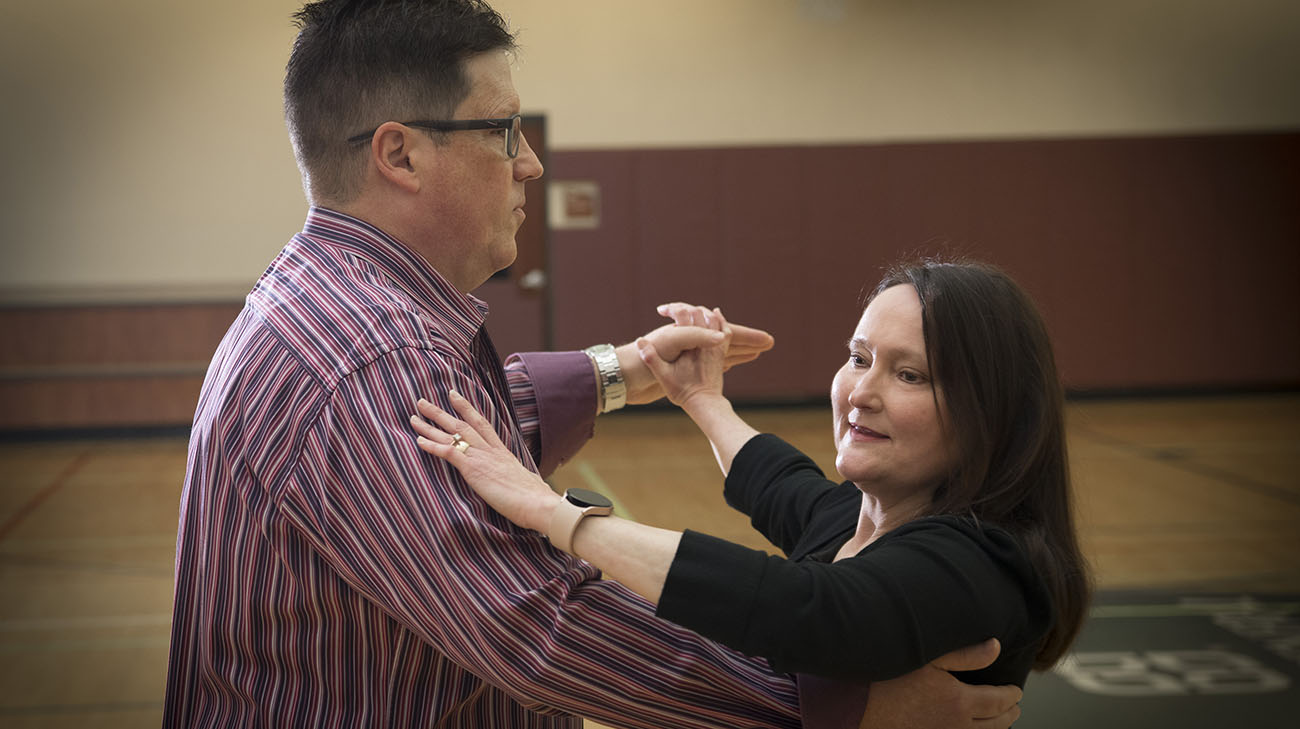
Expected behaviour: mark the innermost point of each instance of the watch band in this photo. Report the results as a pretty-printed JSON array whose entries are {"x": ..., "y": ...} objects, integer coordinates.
[
  {"x": 611, "y": 392},
  {"x": 577, "y": 504}
]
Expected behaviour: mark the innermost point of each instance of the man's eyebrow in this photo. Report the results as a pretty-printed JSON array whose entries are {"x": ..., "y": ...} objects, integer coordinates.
[{"x": 508, "y": 106}]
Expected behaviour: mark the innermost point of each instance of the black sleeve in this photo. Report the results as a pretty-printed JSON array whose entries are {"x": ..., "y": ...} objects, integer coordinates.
[
  {"x": 780, "y": 489},
  {"x": 929, "y": 587}
]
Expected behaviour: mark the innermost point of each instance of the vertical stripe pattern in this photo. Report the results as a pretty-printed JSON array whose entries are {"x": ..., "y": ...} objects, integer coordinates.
[{"x": 330, "y": 574}]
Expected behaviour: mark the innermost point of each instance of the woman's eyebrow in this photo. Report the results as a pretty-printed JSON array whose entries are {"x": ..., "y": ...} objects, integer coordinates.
[{"x": 906, "y": 352}]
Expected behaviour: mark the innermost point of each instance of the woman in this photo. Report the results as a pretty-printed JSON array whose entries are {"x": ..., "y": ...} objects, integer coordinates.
[{"x": 954, "y": 523}]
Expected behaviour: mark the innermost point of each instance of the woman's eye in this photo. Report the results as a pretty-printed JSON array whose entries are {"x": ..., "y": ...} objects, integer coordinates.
[
  {"x": 910, "y": 377},
  {"x": 857, "y": 360}
]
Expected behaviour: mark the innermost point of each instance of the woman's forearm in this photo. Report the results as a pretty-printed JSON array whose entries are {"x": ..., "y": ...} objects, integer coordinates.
[
  {"x": 635, "y": 554},
  {"x": 638, "y": 555},
  {"x": 726, "y": 431}
]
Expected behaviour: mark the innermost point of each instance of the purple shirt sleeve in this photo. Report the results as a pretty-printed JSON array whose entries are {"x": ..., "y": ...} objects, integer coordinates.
[{"x": 564, "y": 389}]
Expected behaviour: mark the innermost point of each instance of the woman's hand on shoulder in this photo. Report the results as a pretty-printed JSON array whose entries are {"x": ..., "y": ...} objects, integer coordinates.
[{"x": 471, "y": 445}]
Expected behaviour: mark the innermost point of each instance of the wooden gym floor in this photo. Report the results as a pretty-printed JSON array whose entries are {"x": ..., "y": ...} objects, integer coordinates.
[{"x": 1193, "y": 494}]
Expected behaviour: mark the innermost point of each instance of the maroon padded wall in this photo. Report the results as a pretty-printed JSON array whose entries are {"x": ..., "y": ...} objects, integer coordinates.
[{"x": 1158, "y": 262}]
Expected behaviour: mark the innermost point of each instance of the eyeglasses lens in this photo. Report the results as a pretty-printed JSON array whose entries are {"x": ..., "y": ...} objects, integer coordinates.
[{"x": 512, "y": 139}]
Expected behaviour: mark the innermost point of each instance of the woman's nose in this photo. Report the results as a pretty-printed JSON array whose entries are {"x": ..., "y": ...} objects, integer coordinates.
[{"x": 865, "y": 395}]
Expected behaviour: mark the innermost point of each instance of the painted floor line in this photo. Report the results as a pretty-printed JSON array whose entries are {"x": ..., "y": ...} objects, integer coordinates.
[
  {"x": 597, "y": 484},
  {"x": 32, "y": 504},
  {"x": 80, "y": 708},
  {"x": 1175, "y": 610},
  {"x": 71, "y": 544},
  {"x": 85, "y": 622}
]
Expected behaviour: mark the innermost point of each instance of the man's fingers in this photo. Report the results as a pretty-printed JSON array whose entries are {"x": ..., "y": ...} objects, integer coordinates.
[
  {"x": 671, "y": 341},
  {"x": 749, "y": 338},
  {"x": 995, "y": 703},
  {"x": 736, "y": 359},
  {"x": 745, "y": 336},
  {"x": 970, "y": 658},
  {"x": 1002, "y": 721},
  {"x": 994, "y": 707},
  {"x": 744, "y": 339}
]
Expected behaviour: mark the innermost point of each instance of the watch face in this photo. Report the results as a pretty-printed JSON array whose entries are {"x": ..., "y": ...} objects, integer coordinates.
[{"x": 584, "y": 498}]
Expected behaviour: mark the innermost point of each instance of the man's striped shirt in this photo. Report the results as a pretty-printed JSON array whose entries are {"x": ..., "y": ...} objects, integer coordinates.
[{"x": 330, "y": 574}]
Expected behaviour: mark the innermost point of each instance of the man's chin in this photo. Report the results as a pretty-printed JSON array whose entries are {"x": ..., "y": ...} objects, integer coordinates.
[
  {"x": 497, "y": 267},
  {"x": 508, "y": 256}
]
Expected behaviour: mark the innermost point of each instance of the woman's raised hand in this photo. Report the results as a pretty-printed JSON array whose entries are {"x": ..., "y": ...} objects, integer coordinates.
[
  {"x": 747, "y": 343},
  {"x": 695, "y": 373},
  {"x": 471, "y": 445}
]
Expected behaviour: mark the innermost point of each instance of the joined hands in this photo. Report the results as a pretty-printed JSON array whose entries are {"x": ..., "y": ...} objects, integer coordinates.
[
  {"x": 694, "y": 375},
  {"x": 693, "y": 327},
  {"x": 685, "y": 358}
]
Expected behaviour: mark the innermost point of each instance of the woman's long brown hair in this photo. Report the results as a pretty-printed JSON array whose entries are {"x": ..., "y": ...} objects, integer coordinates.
[{"x": 990, "y": 355}]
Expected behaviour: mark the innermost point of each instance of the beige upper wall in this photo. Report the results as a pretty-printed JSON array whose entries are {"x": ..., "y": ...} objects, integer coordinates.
[
  {"x": 147, "y": 146},
  {"x": 144, "y": 147},
  {"x": 706, "y": 72}
]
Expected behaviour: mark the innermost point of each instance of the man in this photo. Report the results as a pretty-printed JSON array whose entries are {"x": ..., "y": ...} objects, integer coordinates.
[{"x": 329, "y": 575}]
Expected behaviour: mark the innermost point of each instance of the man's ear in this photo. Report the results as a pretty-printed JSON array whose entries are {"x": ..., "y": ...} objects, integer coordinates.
[{"x": 391, "y": 149}]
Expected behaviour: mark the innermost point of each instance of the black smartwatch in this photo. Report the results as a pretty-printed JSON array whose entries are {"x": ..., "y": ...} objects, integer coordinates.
[{"x": 577, "y": 504}]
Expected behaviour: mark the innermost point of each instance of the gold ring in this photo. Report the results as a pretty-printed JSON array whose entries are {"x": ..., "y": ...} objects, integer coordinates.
[{"x": 459, "y": 442}]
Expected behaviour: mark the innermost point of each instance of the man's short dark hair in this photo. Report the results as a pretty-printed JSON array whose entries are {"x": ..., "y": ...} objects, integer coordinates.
[{"x": 359, "y": 63}]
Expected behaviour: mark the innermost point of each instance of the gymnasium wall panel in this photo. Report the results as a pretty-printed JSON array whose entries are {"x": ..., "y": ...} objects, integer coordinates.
[{"x": 1159, "y": 262}]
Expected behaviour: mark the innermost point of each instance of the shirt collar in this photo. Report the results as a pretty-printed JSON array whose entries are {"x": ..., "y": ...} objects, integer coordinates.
[{"x": 402, "y": 265}]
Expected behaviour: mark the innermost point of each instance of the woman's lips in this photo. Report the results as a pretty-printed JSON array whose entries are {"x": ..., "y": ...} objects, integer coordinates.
[{"x": 863, "y": 432}]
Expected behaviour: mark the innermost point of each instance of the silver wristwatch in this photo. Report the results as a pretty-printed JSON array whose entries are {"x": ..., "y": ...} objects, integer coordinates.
[{"x": 611, "y": 392}]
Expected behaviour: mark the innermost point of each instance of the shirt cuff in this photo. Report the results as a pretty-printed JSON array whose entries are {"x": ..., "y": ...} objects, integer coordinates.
[{"x": 565, "y": 385}]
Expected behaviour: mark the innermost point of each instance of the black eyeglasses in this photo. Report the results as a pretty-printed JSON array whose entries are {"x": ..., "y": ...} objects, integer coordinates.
[{"x": 512, "y": 125}]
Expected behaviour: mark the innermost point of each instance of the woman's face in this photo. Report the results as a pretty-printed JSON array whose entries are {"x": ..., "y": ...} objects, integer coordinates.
[{"x": 888, "y": 431}]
